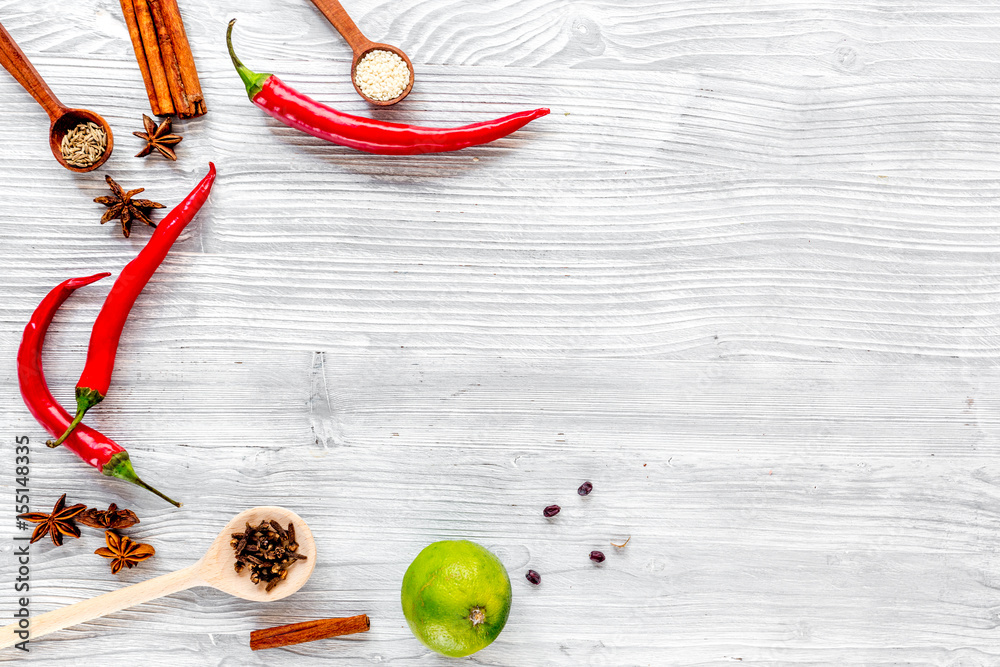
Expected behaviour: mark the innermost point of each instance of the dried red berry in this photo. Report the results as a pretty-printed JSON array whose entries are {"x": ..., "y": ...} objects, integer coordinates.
[
  {"x": 551, "y": 511},
  {"x": 597, "y": 556},
  {"x": 585, "y": 488},
  {"x": 533, "y": 577}
]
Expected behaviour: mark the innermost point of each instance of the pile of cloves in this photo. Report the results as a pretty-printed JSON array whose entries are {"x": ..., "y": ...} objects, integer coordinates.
[{"x": 267, "y": 550}]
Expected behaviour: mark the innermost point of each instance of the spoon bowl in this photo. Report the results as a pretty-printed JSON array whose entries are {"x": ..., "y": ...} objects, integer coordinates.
[
  {"x": 62, "y": 118},
  {"x": 361, "y": 46},
  {"x": 215, "y": 569},
  {"x": 375, "y": 46},
  {"x": 66, "y": 121}
]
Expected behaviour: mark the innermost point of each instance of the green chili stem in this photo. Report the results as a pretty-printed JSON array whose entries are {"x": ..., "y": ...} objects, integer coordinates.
[
  {"x": 73, "y": 424},
  {"x": 253, "y": 81},
  {"x": 121, "y": 467},
  {"x": 86, "y": 398}
]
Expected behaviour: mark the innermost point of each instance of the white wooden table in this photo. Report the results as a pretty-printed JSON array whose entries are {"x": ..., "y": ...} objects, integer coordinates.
[{"x": 744, "y": 279}]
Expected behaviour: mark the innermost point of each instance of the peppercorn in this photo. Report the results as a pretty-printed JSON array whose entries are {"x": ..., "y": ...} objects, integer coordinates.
[
  {"x": 585, "y": 488},
  {"x": 551, "y": 511},
  {"x": 533, "y": 577},
  {"x": 597, "y": 556}
]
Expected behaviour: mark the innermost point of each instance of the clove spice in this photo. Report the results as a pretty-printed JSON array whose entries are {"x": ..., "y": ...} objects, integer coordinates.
[{"x": 267, "y": 551}]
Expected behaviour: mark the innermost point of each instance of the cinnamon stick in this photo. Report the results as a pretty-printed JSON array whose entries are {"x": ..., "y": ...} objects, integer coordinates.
[
  {"x": 140, "y": 55},
  {"x": 151, "y": 48},
  {"x": 299, "y": 633},
  {"x": 185, "y": 60},
  {"x": 177, "y": 92}
]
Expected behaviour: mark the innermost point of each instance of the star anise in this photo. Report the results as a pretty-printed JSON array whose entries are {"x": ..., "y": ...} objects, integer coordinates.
[
  {"x": 112, "y": 517},
  {"x": 122, "y": 206},
  {"x": 158, "y": 138},
  {"x": 123, "y": 551},
  {"x": 56, "y": 524}
]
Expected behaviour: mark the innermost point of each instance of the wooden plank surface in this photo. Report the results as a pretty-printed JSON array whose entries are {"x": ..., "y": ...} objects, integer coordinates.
[{"x": 744, "y": 279}]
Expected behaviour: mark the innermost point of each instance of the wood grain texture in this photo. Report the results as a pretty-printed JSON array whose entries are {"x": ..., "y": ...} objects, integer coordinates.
[{"x": 744, "y": 279}]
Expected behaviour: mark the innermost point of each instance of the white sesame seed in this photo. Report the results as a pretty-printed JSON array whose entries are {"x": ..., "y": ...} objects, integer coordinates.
[{"x": 382, "y": 75}]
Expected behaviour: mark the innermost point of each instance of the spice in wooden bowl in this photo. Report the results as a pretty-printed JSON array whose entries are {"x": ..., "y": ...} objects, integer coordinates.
[
  {"x": 84, "y": 144},
  {"x": 382, "y": 75},
  {"x": 267, "y": 550}
]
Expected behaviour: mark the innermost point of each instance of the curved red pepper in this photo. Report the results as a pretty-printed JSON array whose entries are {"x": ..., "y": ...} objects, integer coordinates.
[
  {"x": 371, "y": 136},
  {"x": 92, "y": 446},
  {"x": 96, "y": 377}
]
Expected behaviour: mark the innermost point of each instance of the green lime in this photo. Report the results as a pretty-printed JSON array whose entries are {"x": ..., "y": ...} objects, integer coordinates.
[{"x": 456, "y": 597}]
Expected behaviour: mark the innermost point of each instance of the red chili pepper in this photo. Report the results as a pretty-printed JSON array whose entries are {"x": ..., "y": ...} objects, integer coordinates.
[
  {"x": 93, "y": 447},
  {"x": 304, "y": 113},
  {"x": 96, "y": 378}
]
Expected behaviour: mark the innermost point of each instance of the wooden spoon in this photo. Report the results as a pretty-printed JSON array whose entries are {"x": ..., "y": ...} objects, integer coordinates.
[
  {"x": 62, "y": 117},
  {"x": 215, "y": 569},
  {"x": 361, "y": 46}
]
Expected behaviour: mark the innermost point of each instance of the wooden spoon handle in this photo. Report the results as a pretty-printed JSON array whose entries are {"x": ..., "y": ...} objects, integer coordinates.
[
  {"x": 102, "y": 605},
  {"x": 15, "y": 62},
  {"x": 337, "y": 15}
]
